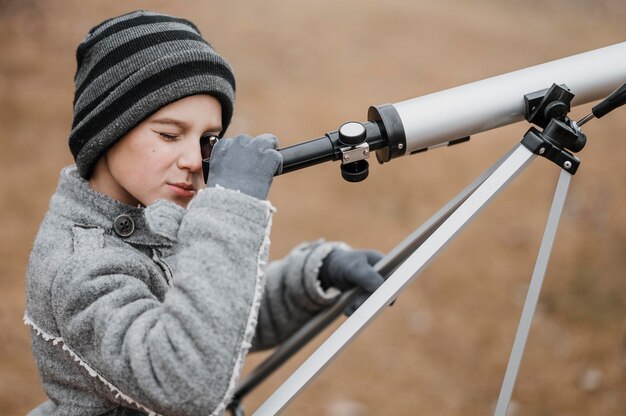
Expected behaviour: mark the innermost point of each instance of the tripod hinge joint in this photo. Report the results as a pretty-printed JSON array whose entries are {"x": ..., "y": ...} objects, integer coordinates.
[{"x": 535, "y": 141}]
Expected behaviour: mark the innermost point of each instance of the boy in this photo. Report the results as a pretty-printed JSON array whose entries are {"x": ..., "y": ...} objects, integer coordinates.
[{"x": 144, "y": 290}]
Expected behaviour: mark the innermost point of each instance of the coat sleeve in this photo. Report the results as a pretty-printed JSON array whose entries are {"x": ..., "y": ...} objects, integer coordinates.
[
  {"x": 181, "y": 356},
  {"x": 293, "y": 294}
]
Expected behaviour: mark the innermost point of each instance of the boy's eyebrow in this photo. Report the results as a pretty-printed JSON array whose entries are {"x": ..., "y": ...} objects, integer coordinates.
[
  {"x": 166, "y": 120},
  {"x": 180, "y": 123}
]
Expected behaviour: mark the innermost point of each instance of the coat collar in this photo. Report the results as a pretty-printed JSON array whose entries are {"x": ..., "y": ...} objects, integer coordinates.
[{"x": 156, "y": 225}]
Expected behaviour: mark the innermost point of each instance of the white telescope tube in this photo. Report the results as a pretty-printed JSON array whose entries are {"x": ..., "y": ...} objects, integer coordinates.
[{"x": 469, "y": 109}]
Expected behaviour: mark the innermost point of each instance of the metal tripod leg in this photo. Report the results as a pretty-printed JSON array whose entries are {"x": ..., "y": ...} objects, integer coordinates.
[
  {"x": 385, "y": 267},
  {"x": 533, "y": 293},
  {"x": 401, "y": 277}
]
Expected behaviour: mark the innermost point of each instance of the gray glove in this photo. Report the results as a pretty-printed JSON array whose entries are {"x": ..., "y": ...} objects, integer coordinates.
[
  {"x": 345, "y": 269},
  {"x": 245, "y": 164}
]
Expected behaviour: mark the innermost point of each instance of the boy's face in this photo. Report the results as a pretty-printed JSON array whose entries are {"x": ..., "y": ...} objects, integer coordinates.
[{"x": 160, "y": 158}]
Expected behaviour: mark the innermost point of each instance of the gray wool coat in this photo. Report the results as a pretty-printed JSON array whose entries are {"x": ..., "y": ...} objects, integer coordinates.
[{"x": 151, "y": 311}]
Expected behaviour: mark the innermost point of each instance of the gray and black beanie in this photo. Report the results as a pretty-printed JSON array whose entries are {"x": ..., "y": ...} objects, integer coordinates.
[{"x": 129, "y": 67}]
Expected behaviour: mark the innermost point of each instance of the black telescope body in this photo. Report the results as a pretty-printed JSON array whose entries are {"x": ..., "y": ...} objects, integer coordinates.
[{"x": 325, "y": 148}]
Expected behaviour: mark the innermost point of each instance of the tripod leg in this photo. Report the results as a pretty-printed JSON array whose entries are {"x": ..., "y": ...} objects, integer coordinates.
[
  {"x": 533, "y": 293},
  {"x": 401, "y": 277},
  {"x": 403, "y": 250},
  {"x": 385, "y": 267}
]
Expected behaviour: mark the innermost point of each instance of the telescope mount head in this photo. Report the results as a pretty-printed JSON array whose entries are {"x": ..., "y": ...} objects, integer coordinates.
[{"x": 548, "y": 109}]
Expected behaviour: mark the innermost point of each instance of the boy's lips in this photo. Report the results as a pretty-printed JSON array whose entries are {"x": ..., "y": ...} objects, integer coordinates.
[
  {"x": 185, "y": 185},
  {"x": 184, "y": 189}
]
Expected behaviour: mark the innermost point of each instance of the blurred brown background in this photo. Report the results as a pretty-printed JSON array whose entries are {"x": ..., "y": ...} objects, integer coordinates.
[{"x": 304, "y": 68}]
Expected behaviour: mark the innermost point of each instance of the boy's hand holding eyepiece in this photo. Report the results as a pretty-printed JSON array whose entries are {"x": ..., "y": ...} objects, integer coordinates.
[
  {"x": 345, "y": 269},
  {"x": 245, "y": 164}
]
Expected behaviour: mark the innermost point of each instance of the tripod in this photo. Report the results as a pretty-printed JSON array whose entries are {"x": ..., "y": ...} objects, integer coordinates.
[{"x": 560, "y": 137}]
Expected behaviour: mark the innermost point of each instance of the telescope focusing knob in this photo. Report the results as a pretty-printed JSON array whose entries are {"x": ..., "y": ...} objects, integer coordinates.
[
  {"x": 352, "y": 133},
  {"x": 355, "y": 171}
]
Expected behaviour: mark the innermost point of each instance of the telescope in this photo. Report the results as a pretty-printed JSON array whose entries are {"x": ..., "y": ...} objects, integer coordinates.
[
  {"x": 452, "y": 116},
  {"x": 543, "y": 95}
]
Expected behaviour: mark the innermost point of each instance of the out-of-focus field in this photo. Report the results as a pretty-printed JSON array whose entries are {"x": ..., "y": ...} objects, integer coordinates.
[{"x": 304, "y": 68}]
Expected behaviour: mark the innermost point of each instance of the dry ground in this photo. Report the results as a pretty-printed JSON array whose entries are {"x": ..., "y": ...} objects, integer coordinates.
[{"x": 304, "y": 68}]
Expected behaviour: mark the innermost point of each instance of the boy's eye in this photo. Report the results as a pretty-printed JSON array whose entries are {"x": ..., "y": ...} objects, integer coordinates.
[{"x": 168, "y": 137}]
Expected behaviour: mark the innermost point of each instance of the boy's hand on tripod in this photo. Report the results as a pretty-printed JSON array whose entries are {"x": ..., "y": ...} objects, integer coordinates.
[
  {"x": 345, "y": 269},
  {"x": 245, "y": 164}
]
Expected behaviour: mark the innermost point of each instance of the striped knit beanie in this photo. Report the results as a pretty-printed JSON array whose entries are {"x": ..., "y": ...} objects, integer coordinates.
[{"x": 129, "y": 67}]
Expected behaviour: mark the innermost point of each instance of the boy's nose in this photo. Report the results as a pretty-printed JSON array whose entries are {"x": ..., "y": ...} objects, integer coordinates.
[{"x": 190, "y": 157}]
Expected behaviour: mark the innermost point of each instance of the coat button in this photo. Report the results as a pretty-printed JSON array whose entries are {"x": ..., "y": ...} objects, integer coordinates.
[{"x": 124, "y": 225}]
